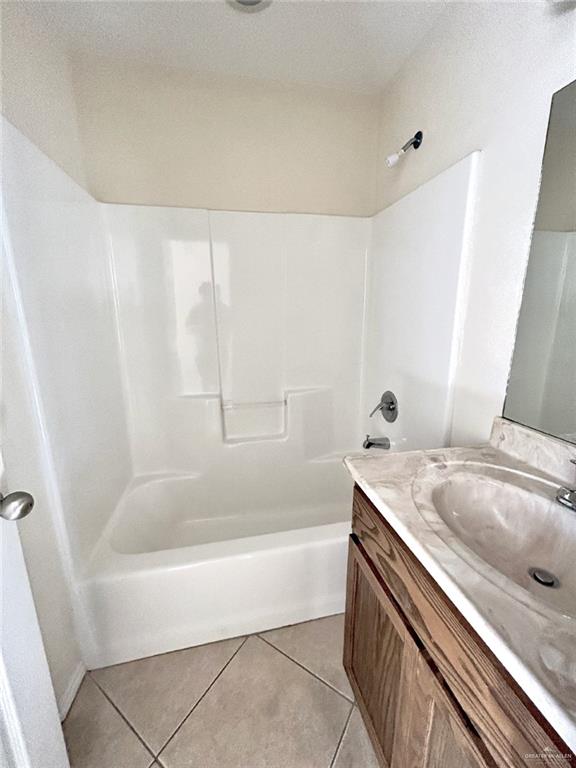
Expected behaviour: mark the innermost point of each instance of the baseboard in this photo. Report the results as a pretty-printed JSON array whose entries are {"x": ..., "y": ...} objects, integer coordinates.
[{"x": 66, "y": 699}]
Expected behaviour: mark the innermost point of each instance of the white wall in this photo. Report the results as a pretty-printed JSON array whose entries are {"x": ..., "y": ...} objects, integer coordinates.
[
  {"x": 483, "y": 79},
  {"x": 152, "y": 135},
  {"x": 62, "y": 266},
  {"x": 172, "y": 138},
  {"x": 37, "y": 94},
  {"x": 416, "y": 289},
  {"x": 282, "y": 341}
]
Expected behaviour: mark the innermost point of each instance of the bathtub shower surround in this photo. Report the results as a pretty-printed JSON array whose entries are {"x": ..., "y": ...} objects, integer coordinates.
[
  {"x": 225, "y": 363},
  {"x": 238, "y": 425},
  {"x": 242, "y": 348}
]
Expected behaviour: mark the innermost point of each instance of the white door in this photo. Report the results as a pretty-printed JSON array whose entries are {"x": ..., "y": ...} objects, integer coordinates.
[{"x": 30, "y": 731}]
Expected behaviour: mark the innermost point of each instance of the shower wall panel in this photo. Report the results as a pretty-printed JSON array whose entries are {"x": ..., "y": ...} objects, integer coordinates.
[
  {"x": 165, "y": 313},
  {"x": 325, "y": 283},
  {"x": 238, "y": 329},
  {"x": 61, "y": 259},
  {"x": 249, "y": 253},
  {"x": 416, "y": 298}
]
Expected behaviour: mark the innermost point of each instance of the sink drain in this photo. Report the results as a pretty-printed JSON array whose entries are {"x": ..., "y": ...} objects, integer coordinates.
[{"x": 544, "y": 577}]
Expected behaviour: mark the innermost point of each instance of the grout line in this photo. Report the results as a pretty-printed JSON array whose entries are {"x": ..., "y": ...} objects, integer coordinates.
[
  {"x": 128, "y": 723},
  {"x": 167, "y": 653},
  {"x": 200, "y": 699},
  {"x": 156, "y": 756},
  {"x": 298, "y": 664},
  {"x": 341, "y": 739}
]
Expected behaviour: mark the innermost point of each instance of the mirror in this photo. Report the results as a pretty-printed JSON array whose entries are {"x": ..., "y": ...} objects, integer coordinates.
[{"x": 542, "y": 385}]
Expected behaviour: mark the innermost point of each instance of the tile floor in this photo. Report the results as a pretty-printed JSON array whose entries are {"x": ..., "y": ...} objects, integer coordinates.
[{"x": 275, "y": 700}]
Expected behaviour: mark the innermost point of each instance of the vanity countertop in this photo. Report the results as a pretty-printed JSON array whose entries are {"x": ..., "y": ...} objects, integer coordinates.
[{"x": 535, "y": 644}]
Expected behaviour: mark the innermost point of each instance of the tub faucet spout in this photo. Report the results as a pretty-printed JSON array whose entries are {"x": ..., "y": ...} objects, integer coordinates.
[{"x": 376, "y": 442}]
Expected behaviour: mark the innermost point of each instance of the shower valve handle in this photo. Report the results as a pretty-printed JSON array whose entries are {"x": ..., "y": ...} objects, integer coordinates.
[
  {"x": 388, "y": 406},
  {"x": 384, "y": 407}
]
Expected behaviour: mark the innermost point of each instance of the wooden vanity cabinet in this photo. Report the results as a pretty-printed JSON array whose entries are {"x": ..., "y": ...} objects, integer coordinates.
[{"x": 430, "y": 693}]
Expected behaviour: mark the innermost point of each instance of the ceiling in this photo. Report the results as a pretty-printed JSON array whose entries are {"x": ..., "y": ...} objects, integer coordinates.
[{"x": 356, "y": 45}]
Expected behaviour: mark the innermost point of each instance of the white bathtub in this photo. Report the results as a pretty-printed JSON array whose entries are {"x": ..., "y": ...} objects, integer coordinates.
[{"x": 190, "y": 559}]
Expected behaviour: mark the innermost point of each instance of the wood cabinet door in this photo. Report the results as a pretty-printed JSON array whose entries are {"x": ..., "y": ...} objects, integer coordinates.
[
  {"x": 374, "y": 642},
  {"x": 412, "y": 718},
  {"x": 433, "y": 731}
]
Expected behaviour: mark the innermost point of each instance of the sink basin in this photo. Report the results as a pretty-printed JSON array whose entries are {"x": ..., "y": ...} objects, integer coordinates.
[{"x": 507, "y": 525}]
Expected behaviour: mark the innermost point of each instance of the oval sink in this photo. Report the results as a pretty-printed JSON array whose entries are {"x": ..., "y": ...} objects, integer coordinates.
[{"x": 508, "y": 520}]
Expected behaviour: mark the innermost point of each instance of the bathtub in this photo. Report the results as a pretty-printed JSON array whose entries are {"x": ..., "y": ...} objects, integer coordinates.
[{"x": 191, "y": 559}]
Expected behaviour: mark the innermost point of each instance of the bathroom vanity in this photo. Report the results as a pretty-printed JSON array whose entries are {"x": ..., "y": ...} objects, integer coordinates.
[{"x": 458, "y": 657}]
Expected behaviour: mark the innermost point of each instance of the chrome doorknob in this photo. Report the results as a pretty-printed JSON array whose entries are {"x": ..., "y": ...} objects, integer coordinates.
[{"x": 16, "y": 505}]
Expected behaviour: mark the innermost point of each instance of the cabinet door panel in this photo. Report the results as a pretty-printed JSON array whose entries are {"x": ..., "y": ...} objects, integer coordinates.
[
  {"x": 377, "y": 664},
  {"x": 432, "y": 732},
  {"x": 374, "y": 644},
  {"x": 445, "y": 747}
]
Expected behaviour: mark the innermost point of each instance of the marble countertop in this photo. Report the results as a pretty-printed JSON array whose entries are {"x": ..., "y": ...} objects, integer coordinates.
[{"x": 536, "y": 644}]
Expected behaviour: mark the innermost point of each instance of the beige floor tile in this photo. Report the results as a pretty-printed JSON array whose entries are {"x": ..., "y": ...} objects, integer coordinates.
[
  {"x": 263, "y": 712},
  {"x": 318, "y": 646},
  {"x": 355, "y": 750},
  {"x": 96, "y": 735},
  {"x": 156, "y": 694}
]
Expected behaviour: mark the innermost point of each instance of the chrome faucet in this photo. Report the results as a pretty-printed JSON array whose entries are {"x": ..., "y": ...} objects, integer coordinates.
[
  {"x": 388, "y": 407},
  {"x": 376, "y": 442},
  {"x": 567, "y": 496}
]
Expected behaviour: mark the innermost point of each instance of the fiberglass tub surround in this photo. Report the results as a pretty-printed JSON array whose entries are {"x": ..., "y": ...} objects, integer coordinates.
[{"x": 238, "y": 515}]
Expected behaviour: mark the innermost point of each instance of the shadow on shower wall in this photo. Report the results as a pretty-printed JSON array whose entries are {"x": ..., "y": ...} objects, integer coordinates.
[{"x": 195, "y": 336}]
